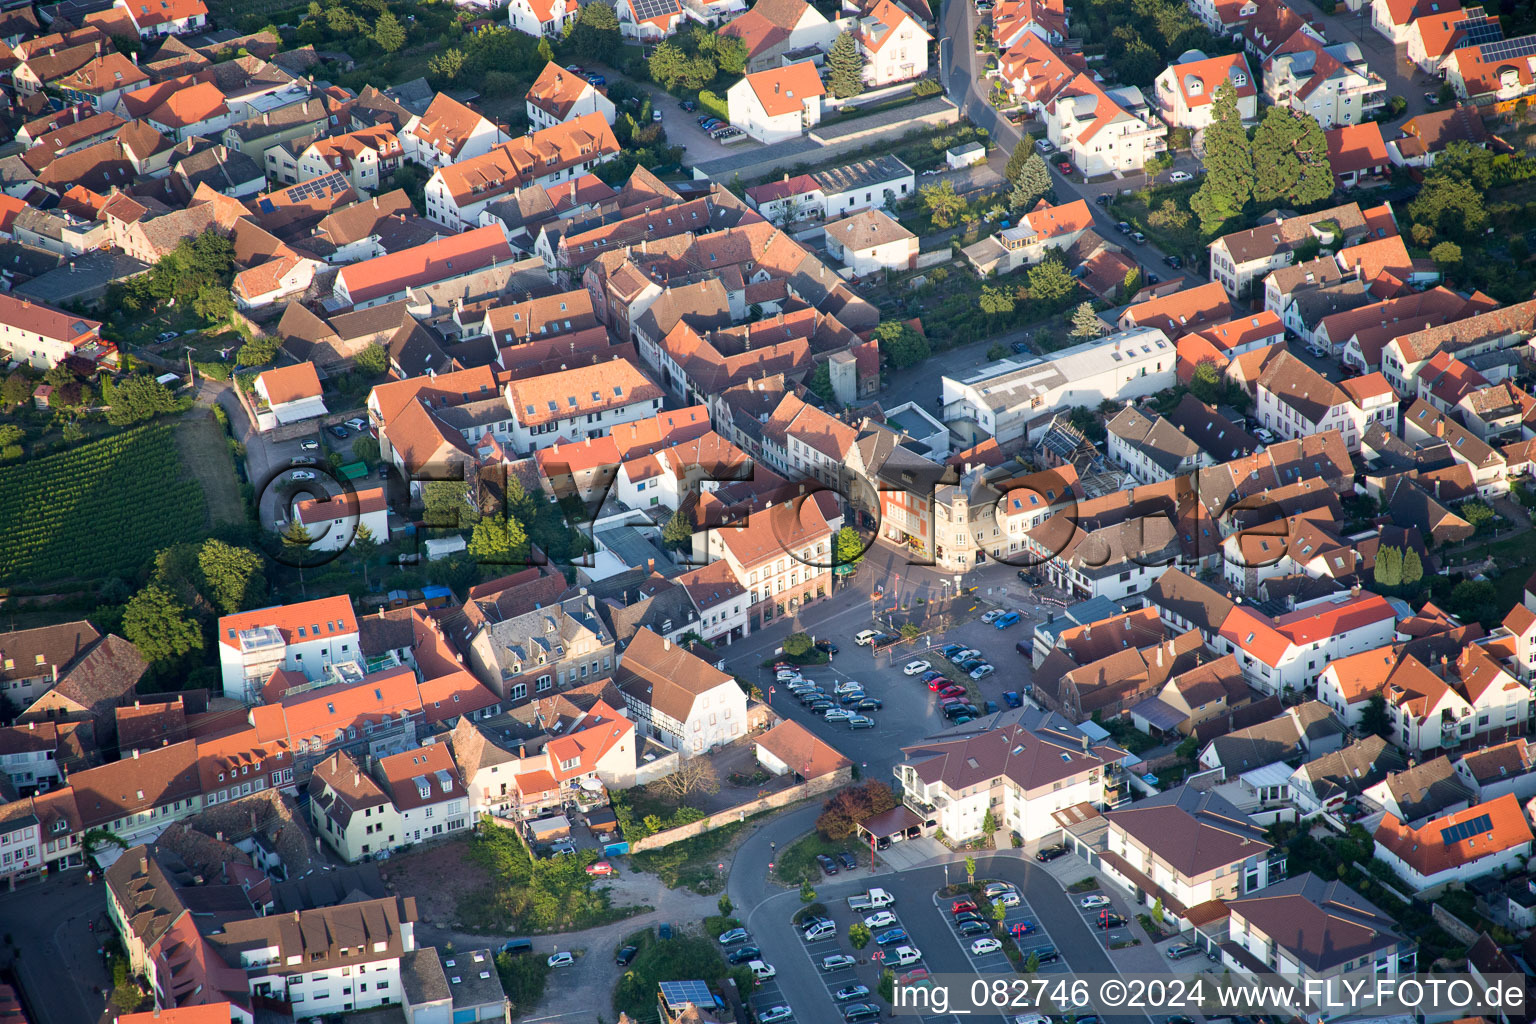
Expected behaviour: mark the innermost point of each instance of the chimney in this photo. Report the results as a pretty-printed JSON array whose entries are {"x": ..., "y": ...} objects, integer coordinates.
[
  {"x": 143, "y": 864},
  {"x": 32, "y": 727},
  {"x": 266, "y": 118},
  {"x": 135, "y": 753},
  {"x": 666, "y": 645}
]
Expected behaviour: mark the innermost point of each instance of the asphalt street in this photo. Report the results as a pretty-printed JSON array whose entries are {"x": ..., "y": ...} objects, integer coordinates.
[{"x": 56, "y": 961}]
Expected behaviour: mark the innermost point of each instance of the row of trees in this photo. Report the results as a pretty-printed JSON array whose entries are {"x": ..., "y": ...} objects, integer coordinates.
[
  {"x": 1285, "y": 161},
  {"x": 1029, "y": 179}
]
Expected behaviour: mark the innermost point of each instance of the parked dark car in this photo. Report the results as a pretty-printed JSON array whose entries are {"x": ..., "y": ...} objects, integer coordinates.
[
  {"x": 1012, "y": 699},
  {"x": 1046, "y": 955},
  {"x": 826, "y": 647},
  {"x": 1101, "y": 200},
  {"x": 1020, "y": 347},
  {"x": 871, "y": 704},
  {"x": 1173, "y": 261},
  {"x": 828, "y": 865},
  {"x": 971, "y": 664},
  {"x": 744, "y": 954},
  {"x": 846, "y": 859},
  {"x": 1050, "y": 852},
  {"x": 969, "y": 928},
  {"x": 626, "y": 955},
  {"x": 969, "y": 915},
  {"x": 990, "y": 707}
]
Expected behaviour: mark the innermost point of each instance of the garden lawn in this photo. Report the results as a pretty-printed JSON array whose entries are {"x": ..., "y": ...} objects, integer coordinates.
[{"x": 1173, "y": 229}]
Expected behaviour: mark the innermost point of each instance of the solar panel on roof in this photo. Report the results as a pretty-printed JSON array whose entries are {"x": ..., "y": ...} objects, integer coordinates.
[
  {"x": 646, "y": 9},
  {"x": 1508, "y": 49},
  {"x": 1467, "y": 829},
  {"x": 678, "y": 993},
  {"x": 1480, "y": 31}
]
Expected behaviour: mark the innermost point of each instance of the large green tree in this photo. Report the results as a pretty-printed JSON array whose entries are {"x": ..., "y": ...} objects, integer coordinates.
[
  {"x": 159, "y": 625},
  {"x": 848, "y": 548},
  {"x": 942, "y": 202},
  {"x": 499, "y": 540},
  {"x": 1032, "y": 185},
  {"x": 232, "y": 577},
  {"x": 1388, "y": 571},
  {"x": 1085, "y": 322},
  {"x": 901, "y": 343},
  {"x": 1049, "y": 281},
  {"x": 1290, "y": 159},
  {"x": 1450, "y": 205},
  {"x": 595, "y": 33},
  {"x": 1228, "y": 184},
  {"x": 388, "y": 32},
  {"x": 846, "y": 66}
]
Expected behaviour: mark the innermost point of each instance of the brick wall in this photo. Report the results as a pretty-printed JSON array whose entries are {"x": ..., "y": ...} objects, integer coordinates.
[{"x": 783, "y": 798}]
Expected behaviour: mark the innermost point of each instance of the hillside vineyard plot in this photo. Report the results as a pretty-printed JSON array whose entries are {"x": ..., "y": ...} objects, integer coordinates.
[{"x": 99, "y": 510}]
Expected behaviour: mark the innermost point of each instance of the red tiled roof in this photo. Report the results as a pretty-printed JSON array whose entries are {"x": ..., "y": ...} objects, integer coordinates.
[
  {"x": 1356, "y": 147},
  {"x": 437, "y": 260},
  {"x": 297, "y": 622},
  {"x": 1428, "y": 850},
  {"x": 1210, "y": 74},
  {"x": 290, "y": 383},
  {"x": 342, "y": 506},
  {"x": 784, "y": 90}
]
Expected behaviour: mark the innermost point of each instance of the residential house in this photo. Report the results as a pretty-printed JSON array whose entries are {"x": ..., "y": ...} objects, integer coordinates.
[
  {"x": 1184, "y": 847},
  {"x": 448, "y": 132},
  {"x": 894, "y": 45},
  {"x": 1483, "y": 839},
  {"x": 1333, "y": 83},
  {"x": 367, "y": 157},
  {"x": 1041, "y": 231},
  {"x": 558, "y": 96},
  {"x": 1326, "y": 783},
  {"x": 532, "y": 651},
  {"x": 1151, "y": 448},
  {"x": 44, "y": 337},
  {"x": 650, "y": 21},
  {"x": 1316, "y": 930},
  {"x": 1104, "y": 132},
  {"x": 782, "y": 556},
  {"x": 1432, "y": 38},
  {"x": 540, "y": 18},
  {"x": 1493, "y": 771},
  {"x": 1357, "y": 152},
  {"x": 777, "y": 103},
  {"x": 137, "y": 797},
  {"x": 678, "y": 698},
  {"x": 388, "y": 278},
  {"x": 306, "y": 637},
  {"x": 875, "y": 182},
  {"x": 1186, "y": 91},
  {"x": 425, "y": 788},
  {"x": 1423, "y": 137},
  {"x": 1035, "y": 72},
  {"x": 287, "y": 395},
  {"x": 332, "y": 523},
  {"x": 1489, "y": 468},
  {"x": 1020, "y": 772},
  {"x": 586, "y": 401},
  {"x": 1483, "y": 71},
  {"x": 1239, "y": 259},
  {"x": 1452, "y": 703},
  {"x": 1290, "y": 651},
  {"x": 153, "y": 18},
  {"x": 1296, "y": 401},
  {"x": 773, "y": 29},
  {"x": 459, "y": 192},
  {"x": 870, "y": 242}
]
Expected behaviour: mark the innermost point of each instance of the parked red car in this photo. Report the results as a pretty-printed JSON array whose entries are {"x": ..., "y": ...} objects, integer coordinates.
[
  {"x": 602, "y": 867},
  {"x": 961, "y": 906}
]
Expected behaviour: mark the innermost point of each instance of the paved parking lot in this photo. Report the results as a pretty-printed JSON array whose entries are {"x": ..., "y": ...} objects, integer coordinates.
[{"x": 911, "y": 711}]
